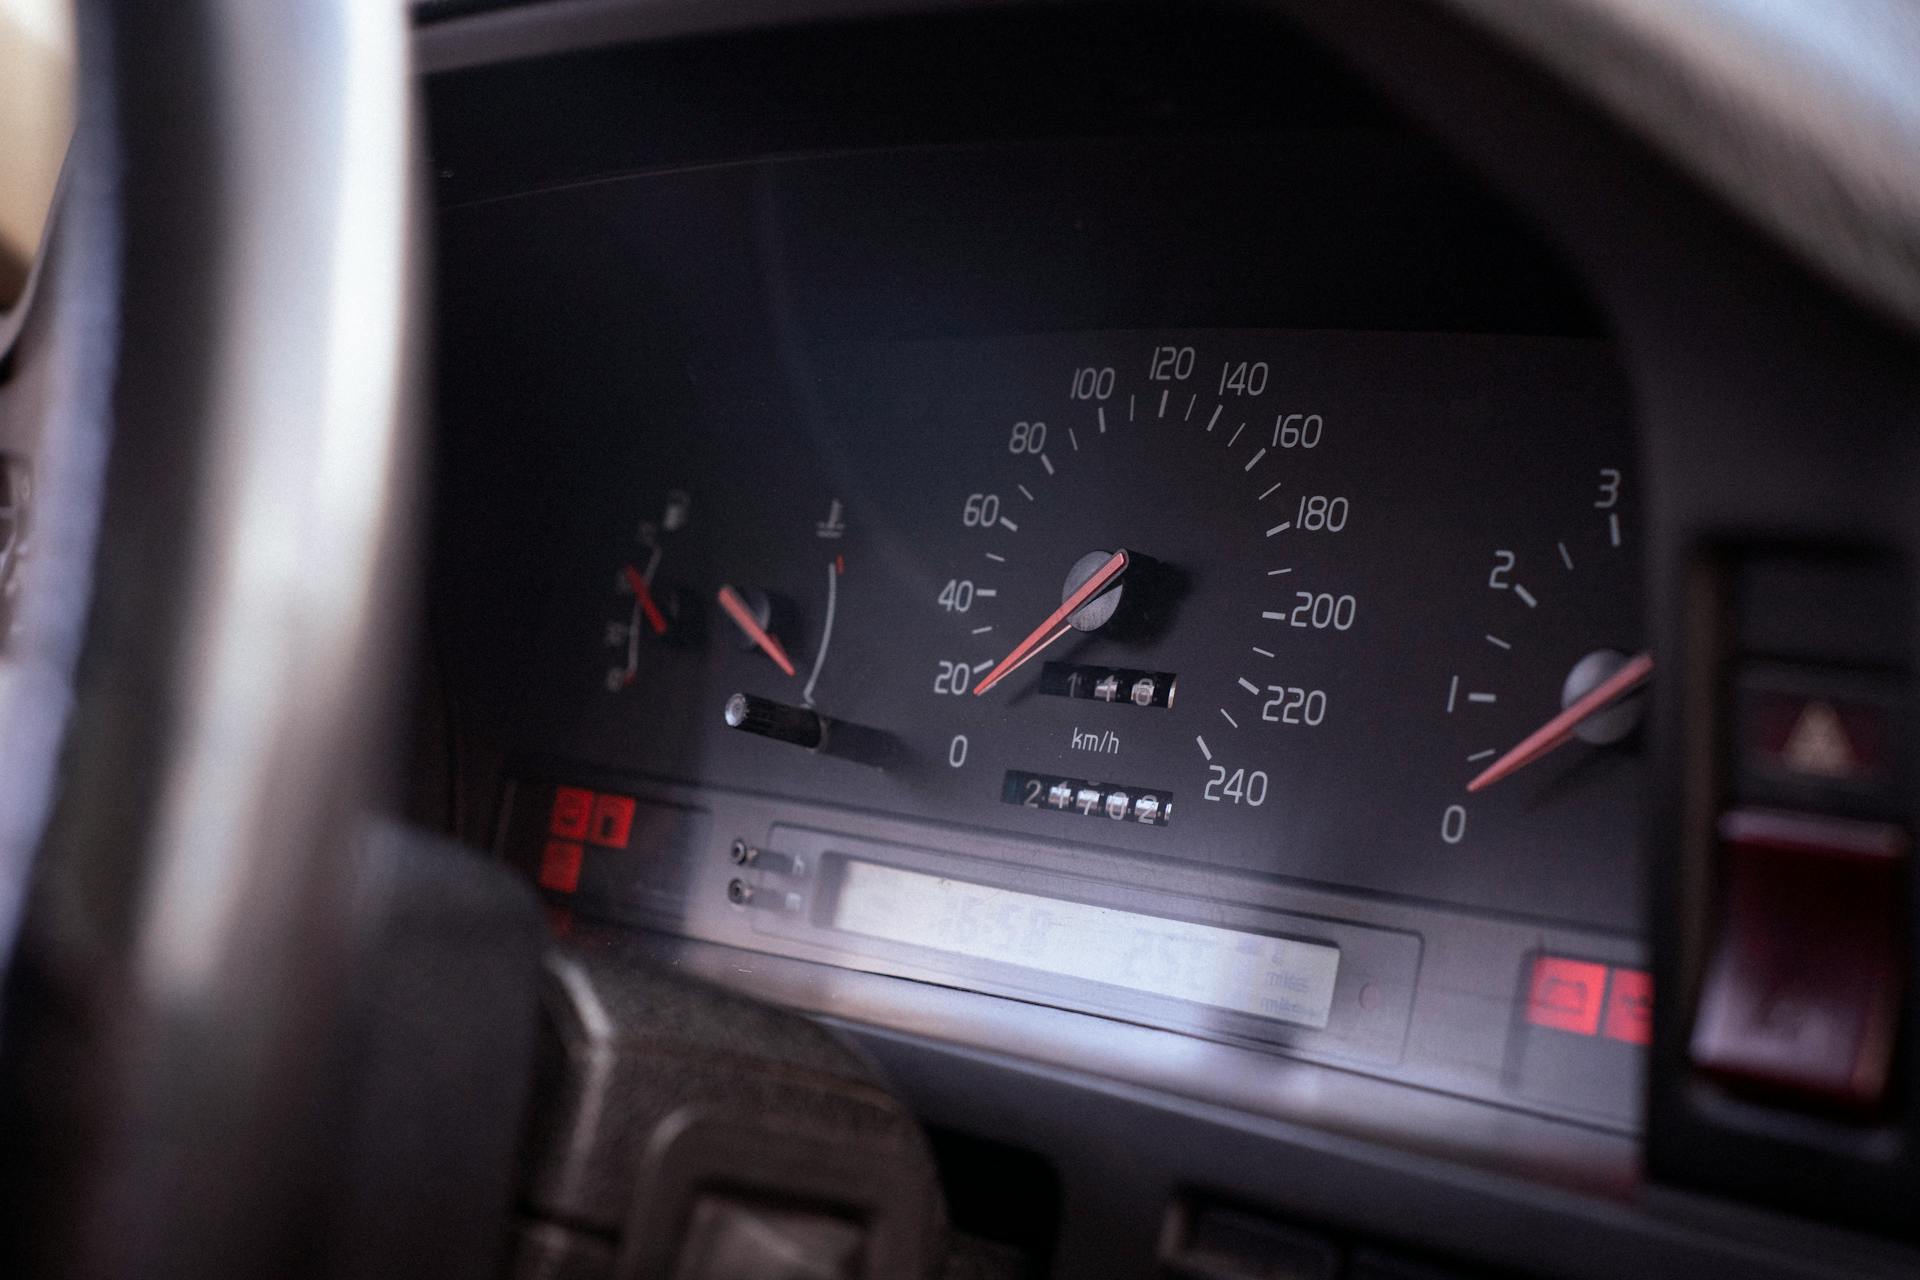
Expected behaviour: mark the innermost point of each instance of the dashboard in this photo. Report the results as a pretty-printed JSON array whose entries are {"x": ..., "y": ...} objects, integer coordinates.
[
  {"x": 1092, "y": 540},
  {"x": 821, "y": 548}
]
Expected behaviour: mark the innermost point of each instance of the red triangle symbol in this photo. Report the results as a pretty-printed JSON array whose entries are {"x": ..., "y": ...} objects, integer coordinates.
[{"x": 1819, "y": 745}]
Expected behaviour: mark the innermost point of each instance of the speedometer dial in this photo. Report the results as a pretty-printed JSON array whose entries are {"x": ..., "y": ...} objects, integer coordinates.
[{"x": 1269, "y": 600}]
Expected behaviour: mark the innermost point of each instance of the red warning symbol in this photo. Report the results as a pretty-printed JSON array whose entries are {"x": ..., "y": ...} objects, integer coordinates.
[
  {"x": 1566, "y": 994},
  {"x": 572, "y": 813},
  {"x": 1819, "y": 745},
  {"x": 612, "y": 823},
  {"x": 560, "y": 865}
]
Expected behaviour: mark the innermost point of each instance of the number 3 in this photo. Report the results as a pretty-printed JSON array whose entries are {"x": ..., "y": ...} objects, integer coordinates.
[{"x": 1609, "y": 489}]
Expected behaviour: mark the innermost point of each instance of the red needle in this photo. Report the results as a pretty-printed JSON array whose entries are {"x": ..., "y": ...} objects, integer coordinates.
[
  {"x": 1557, "y": 731},
  {"x": 743, "y": 618},
  {"x": 648, "y": 608},
  {"x": 1056, "y": 624}
]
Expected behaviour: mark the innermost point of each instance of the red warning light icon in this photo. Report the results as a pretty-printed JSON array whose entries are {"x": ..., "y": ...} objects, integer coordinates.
[
  {"x": 572, "y": 813},
  {"x": 1590, "y": 999},
  {"x": 1630, "y": 1007},
  {"x": 560, "y": 865},
  {"x": 1566, "y": 994},
  {"x": 577, "y": 818},
  {"x": 612, "y": 821}
]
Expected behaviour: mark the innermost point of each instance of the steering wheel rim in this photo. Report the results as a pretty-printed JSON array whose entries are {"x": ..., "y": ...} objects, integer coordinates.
[{"x": 208, "y": 630}]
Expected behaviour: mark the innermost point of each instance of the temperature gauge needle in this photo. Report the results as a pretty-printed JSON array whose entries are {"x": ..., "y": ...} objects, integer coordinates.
[
  {"x": 743, "y": 618},
  {"x": 1557, "y": 731},
  {"x": 641, "y": 592},
  {"x": 1056, "y": 624}
]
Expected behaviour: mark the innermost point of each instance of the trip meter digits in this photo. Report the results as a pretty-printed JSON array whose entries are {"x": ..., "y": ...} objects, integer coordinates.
[{"x": 1192, "y": 594}]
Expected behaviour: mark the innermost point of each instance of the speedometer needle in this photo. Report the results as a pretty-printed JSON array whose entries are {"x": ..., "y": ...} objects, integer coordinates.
[
  {"x": 1557, "y": 731},
  {"x": 1056, "y": 624},
  {"x": 743, "y": 618}
]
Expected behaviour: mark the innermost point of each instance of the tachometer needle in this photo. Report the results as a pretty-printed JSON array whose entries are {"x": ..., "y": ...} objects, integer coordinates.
[
  {"x": 644, "y": 595},
  {"x": 1056, "y": 624},
  {"x": 1557, "y": 731},
  {"x": 743, "y": 618}
]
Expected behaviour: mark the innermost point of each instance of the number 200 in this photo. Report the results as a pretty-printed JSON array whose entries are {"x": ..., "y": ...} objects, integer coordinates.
[{"x": 1317, "y": 610}]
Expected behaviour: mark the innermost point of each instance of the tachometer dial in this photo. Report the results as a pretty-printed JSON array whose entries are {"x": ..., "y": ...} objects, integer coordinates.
[{"x": 1527, "y": 689}]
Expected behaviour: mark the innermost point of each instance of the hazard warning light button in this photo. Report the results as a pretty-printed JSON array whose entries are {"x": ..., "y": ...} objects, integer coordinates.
[{"x": 1815, "y": 731}]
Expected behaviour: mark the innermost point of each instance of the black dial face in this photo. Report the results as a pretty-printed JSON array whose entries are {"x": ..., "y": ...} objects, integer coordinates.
[{"x": 1259, "y": 600}]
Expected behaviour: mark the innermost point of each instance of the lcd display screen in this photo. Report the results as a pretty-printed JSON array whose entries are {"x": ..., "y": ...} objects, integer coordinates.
[{"x": 1268, "y": 977}]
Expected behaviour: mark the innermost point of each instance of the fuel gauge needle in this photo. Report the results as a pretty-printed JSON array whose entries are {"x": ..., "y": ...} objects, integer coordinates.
[
  {"x": 644, "y": 594},
  {"x": 743, "y": 618},
  {"x": 1556, "y": 732},
  {"x": 1056, "y": 624}
]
